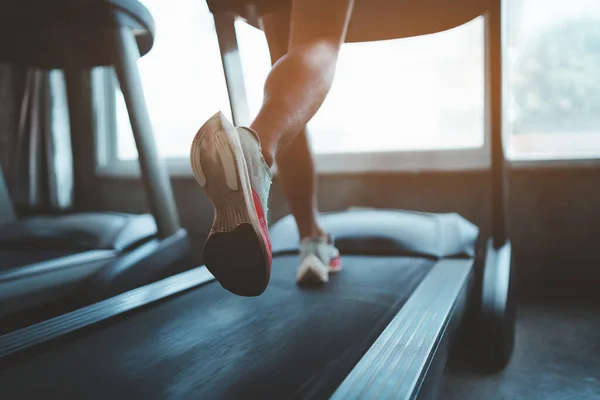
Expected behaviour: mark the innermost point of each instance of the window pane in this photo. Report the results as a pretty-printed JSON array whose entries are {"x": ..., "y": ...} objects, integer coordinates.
[
  {"x": 409, "y": 94},
  {"x": 256, "y": 62},
  {"x": 182, "y": 77},
  {"x": 553, "y": 78}
]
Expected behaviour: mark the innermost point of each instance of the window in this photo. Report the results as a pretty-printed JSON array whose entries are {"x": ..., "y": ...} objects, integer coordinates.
[
  {"x": 423, "y": 93},
  {"x": 423, "y": 96},
  {"x": 552, "y": 77}
]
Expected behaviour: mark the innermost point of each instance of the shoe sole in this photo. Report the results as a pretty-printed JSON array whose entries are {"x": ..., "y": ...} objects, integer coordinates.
[{"x": 236, "y": 251}]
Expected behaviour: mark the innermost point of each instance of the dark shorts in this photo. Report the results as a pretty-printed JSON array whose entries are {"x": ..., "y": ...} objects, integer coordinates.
[{"x": 239, "y": 6}]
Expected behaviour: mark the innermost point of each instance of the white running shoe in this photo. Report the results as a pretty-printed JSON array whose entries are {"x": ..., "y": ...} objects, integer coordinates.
[
  {"x": 228, "y": 163},
  {"x": 319, "y": 257}
]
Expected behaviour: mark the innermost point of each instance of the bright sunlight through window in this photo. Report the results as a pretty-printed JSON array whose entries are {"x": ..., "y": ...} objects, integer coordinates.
[
  {"x": 414, "y": 94},
  {"x": 423, "y": 93}
]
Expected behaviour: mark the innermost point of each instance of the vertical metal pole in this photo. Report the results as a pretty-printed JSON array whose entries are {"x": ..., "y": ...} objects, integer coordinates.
[
  {"x": 7, "y": 211},
  {"x": 35, "y": 141},
  {"x": 154, "y": 171},
  {"x": 232, "y": 67},
  {"x": 51, "y": 173},
  {"x": 24, "y": 112},
  {"x": 86, "y": 185},
  {"x": 494, "y": 88},
  {"x": 59, "y": 148}
]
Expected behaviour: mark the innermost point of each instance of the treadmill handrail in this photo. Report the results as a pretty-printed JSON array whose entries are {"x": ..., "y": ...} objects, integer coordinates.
[{"x": 56, "y": 264}]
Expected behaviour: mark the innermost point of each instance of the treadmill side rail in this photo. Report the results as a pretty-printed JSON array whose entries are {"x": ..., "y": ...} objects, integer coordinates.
[
  {"x": 93, "y": 258},
  {"x": 397, "y": 364},
  {"x": 43, "y": 332}
]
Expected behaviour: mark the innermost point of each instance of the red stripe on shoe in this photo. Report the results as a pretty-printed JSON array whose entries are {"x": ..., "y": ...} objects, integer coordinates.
[
  {"x": 335, "y": 262},
  {"x": 263, "y": 225}
]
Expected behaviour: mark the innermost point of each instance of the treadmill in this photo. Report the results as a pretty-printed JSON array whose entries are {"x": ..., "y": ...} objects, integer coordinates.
[
  {"x": 54, "y": 263},
  {"x": 411, "y": 283}
]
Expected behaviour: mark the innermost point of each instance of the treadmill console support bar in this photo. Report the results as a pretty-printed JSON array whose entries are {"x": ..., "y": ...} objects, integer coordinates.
[
  {"x": 232, "y": 67},
  {"x": 498, "y": 297},
  {"x": 154, "y": 172},
  {"x": 494, "y": 104}
]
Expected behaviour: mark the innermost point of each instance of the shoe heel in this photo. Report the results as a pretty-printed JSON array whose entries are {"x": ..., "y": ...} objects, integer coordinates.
[
  {"x": 312, "y": 271},
  {"x": 211, "y": 151},
  {"x": 219, "y": 169}
]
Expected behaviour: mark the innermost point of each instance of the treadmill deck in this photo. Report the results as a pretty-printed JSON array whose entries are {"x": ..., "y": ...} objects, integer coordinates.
[{"x": 207, "y": 343}]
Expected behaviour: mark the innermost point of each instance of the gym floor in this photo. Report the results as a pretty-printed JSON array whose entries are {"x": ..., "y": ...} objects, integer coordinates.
[{"x": 557, "y": 356}]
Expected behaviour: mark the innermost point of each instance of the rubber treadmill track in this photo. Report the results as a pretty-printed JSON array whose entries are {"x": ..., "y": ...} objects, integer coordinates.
[{"x": 207, "y": 343}]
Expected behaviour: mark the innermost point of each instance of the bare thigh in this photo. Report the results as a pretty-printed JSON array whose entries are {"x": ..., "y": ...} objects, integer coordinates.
[
  {"x": 319, "y": 21},
  {"x": 308, "y": 22}
]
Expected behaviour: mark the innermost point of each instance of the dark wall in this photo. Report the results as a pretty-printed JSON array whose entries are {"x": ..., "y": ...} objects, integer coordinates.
[{"x": 554, "y": 213}]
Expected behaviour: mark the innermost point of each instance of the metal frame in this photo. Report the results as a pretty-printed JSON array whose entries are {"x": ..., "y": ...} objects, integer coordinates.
[
  {"x": 494, "y": 100},
  {"x": 150, "y": 166},
  {"x": 52, "y": 173},
  {"x": 154, "y": 173},
  {"x": 7, "y": 211},
  {"x": 103, "y": 84},
  {"x": 232, "y": 67},
  {"x": 58, "y": 146},
  {"x": 81, "y": 121},
  {"x": 35, "y": 140}
]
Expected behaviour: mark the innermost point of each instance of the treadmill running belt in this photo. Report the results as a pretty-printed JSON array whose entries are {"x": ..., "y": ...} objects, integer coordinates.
[{"x": 207, "y": 343}]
